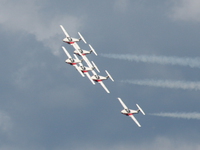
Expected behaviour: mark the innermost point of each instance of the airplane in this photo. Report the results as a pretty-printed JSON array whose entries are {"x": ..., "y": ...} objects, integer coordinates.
[
  {"x": 129, "y": 112},
  {"x": 85, "y": 69},
  {"x": 72, "y": 61},
  {"x": 82, "y": 52},
  {"x": 71, "y": 40},
  {"x": 99, "y": 79}
]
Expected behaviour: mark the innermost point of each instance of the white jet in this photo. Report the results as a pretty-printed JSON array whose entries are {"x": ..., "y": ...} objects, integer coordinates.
[
  {"x": 82, "y": 52},
  {"x": 86, "y": 70},
  {"x": 71, "y": 40},
  {"x": 72, "y": 61},
  {"x": 99, "y": 79},
  {"x": 129, "y": 112}
]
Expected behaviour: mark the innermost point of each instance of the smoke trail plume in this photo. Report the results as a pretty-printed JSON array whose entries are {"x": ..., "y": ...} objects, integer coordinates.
[
  {"x": 191, "y": 62},
  {"x": 192, "y": 115},
  {"x": 166, "y": 84}
]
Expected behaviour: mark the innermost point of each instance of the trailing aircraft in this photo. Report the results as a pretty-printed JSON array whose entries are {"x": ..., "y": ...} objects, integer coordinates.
[{"x": 129, "y": 112}]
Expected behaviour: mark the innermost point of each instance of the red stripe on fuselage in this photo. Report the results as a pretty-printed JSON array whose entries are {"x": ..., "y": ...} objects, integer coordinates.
[
  {"x": 70, "y": 42},
  {"x": 98, "y": 80},
  {"x": 72, "y": 63}
]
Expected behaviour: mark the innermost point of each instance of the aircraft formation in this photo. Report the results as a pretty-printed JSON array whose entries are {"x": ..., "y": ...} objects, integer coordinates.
[{"x": 90, "y": 67}]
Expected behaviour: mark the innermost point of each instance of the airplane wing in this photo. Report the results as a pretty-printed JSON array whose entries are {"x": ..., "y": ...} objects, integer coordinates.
[
  {"x": 65, "y": 32},
  {"x": 87, "y": 74},
  {"x": 79, "y": 70},
  {"x": 87, "y": 61},
  {"x": 66, "y": 52},
  {"x": 122, "y": 103},
  {"x": 102, "y": 84},
  {"x": 134, "y": 119},
  {"x": 94, "y": 73},
  {"x": 75, "y": 45}
]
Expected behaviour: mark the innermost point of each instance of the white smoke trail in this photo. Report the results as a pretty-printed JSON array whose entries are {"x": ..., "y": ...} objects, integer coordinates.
[
  {"x": 166, "y": 84},
  {"x": 164, "y": 60},
  {"x": 192, "y": 115}
]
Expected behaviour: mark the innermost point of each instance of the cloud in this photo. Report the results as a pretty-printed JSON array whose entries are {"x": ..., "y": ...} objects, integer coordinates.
[
  {"x": 5, "y": 122},
  {"x": 29, "y": 17},
  {"x": 193, "y": 115},
  {"x": 186, "y": 10},
  {"x": 166, "y": 84},
  {"x": 164, "y": 60}
]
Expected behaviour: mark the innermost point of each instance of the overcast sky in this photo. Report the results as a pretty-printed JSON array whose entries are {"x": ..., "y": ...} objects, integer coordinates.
[{"x": 46, "y": 104}]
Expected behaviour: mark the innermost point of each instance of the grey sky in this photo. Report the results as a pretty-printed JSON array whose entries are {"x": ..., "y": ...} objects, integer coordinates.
[{"x": 46, "y": 104}]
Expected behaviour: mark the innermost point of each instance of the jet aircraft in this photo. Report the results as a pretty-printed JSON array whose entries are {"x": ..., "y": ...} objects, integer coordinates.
[
  {"x": 72, "y": 61},
  {"x": 99, "y": 79},
  {"x": 129, "y": 112},
  {"x": 82, "y": 52},
  {"x": 86, "y": 70},
  {"x": 69, "y": 39}
]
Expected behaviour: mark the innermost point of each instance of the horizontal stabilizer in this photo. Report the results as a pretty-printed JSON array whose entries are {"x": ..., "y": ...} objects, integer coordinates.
[
  {"x": 109, "y": 75},
  {"x": 82, "y": 37},
  {"x": 140, "y": 109},
  {"x": 95, "y": 66},
  {"x": 92, "y": 49}
]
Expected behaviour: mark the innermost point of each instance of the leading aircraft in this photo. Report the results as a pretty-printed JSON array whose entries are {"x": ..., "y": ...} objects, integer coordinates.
[
  {"x": 129, "y": 112},
  {"x": 99, "y": 79},
  {"x": 71, "y": 40},
  {"x": 72, "y": 61}
]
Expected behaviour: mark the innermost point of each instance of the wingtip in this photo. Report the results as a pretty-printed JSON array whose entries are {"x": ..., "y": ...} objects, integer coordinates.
[{"x": 119, "y": 99}]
